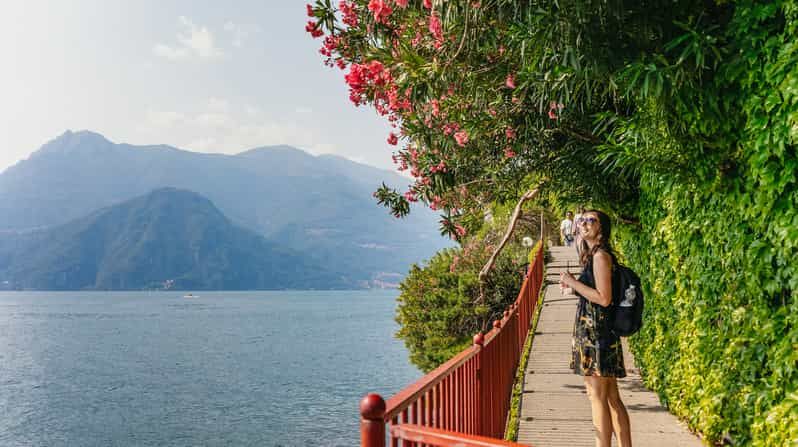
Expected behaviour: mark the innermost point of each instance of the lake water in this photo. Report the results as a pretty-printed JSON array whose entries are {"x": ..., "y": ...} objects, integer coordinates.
[{"x": 157, "y": 369}]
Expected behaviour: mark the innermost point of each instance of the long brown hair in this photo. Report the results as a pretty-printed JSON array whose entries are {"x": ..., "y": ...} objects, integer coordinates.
[{"x": 605, "y": 227}]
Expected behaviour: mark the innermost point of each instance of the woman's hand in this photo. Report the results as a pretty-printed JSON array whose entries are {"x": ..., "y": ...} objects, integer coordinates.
[{"x": 567, "y": 280}]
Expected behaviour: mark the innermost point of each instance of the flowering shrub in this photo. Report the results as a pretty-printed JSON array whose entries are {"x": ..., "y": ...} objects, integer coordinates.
[
  {"x": 437, "y": 312},
  {"x": 450, "y": 77}
]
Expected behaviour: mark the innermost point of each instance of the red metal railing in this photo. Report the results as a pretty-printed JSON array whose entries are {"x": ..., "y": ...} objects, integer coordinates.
[{"x": 465, "y": 401}]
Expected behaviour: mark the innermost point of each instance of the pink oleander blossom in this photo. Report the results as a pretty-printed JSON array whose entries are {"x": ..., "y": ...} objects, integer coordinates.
[
  {"x": 510, "y": 133},
  {"x": 461, "y": 138},
  {"x": 428, "y": 4},
  {"x": 508, "y": 152},
  {"x": 554, "y": 109},
  {"x": 392, "y": 139},
  {"x": 348, "y": 13},
  {"x": 381, "y": 10},
  {"x": 310, "y": 10},
  {"x": 436, "y": 107},
  {"x": 435, "y": 27},
  {"x": 313, "y": 28},
  {"x": 510, "y": 81}
]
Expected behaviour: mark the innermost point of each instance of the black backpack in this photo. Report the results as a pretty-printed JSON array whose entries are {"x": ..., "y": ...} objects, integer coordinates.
[{"x": 627, "y": 301}]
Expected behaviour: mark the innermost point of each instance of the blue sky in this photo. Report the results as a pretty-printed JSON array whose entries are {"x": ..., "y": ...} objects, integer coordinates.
[{"x": 202, "y": 76}]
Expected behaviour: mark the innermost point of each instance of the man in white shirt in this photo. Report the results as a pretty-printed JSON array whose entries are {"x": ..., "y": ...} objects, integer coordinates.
[{"x": 567, "y": 229}]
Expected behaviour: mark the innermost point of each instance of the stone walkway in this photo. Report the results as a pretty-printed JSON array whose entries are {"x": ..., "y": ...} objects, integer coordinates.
[{"x": 555, "y": 410}]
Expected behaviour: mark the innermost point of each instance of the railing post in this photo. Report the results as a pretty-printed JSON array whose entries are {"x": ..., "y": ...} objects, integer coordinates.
[
  {"x": 479, "y": 340},
  {"x": 372, "y": 421}
]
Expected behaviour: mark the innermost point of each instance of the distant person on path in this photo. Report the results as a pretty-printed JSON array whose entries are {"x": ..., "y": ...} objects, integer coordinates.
[
  {"x": 577, "y": 221},
  {"x": 596, "y": 350},
  {"x": 567, "y": 229}
]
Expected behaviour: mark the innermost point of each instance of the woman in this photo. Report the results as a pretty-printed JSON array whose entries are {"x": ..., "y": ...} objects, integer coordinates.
[{"x": 597, "y": 353}]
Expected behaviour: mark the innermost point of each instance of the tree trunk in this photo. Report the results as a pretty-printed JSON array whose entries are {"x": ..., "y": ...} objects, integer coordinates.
[{"x": 483, "y": 274}]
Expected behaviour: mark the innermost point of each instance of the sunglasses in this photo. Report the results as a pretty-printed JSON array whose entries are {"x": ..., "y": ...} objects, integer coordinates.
[{"x": 590, "y": 220}]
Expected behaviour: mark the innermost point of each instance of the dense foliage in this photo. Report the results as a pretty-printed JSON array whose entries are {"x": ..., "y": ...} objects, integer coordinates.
[{"x": 679, "y": 117}]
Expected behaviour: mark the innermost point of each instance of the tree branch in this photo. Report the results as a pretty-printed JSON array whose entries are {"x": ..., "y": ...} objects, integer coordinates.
[{"x": 483, "y": 274}]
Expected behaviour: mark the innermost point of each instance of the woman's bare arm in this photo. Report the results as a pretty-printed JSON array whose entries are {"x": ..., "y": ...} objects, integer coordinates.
[{"x": 602, "y": 272}]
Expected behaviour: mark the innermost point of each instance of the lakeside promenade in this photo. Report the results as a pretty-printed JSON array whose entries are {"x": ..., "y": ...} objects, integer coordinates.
[{"x": 555, "y": 410}]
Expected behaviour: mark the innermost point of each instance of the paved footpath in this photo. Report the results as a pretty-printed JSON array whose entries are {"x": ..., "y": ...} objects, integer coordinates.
[{"x": 554, "y": 409}]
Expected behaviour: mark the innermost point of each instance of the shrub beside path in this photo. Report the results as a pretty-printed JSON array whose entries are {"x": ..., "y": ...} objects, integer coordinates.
[{"x": 554, "y": 408}]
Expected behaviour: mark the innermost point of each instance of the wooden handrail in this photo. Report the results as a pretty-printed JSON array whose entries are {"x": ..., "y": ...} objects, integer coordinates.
[
  {"x": 399, "y": 401},
  {"x": 467, "y": 396},
  {"x": 443, "y": 438}
]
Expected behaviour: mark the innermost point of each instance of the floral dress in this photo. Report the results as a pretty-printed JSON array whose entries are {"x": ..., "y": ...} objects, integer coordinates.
[{"x": 596, "y": 350}]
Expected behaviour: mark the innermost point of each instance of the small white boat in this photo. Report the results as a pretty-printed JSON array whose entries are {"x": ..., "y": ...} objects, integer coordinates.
[{"x": 190, "y": 295}]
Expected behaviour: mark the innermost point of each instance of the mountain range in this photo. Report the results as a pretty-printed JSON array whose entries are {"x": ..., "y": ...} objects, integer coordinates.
[
  {"x": 167, "y": 239},
  {"x": 319, "y": 208}
]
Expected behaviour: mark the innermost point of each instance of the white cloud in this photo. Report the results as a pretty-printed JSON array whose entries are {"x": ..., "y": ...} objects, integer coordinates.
[
  {"x": 192, "y": 41},
  {"x": 218, "y": 125},
  {"x": 240, "y": 32},
  {"x": 164, "y": 118},
  {"x": 218, "y": 105},
  {"x": 202, "y": 144}
]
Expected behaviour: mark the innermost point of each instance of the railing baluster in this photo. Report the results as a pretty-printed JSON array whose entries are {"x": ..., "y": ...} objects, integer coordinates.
[{"x": 394, "y": 439}]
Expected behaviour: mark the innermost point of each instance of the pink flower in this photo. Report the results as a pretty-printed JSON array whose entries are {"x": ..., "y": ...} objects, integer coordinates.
[
  {"x": 460, "y": 230},
  {"x": 461, "y": 137},
  {"x": 381, "y": 10},
  {"x": 450, "y": 128},
  {"x": 509, "y": 133},
  {"x": 310, "y": 10},
  {"x": 428, "y": 4},
  {"x": 411, "y": 196},
  {"x": 554, "y": 108},
  {"x": 510, "y": 81},
  {"x": 348, "y": 12},
  {"x": 435, "y": 27},
  {"x": 313, "y": 28},
  {"x": 508, "y": 152},
  {"x": 436, "y": 203},
  {"x": 392, "y": 139},
  {"x": 416, "y": 40},
  {"x": 436, "y": 108},
  {"x": 401, "y": 3}
]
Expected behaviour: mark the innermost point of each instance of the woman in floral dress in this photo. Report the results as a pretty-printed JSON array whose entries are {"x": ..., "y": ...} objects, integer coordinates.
[{"x": 597, "y": 354}]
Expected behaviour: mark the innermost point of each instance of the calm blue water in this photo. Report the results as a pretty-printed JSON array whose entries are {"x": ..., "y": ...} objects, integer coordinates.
[{"x": 157, "y": 369}]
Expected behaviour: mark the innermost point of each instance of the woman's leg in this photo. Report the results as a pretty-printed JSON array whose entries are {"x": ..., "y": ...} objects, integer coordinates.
[
  {"x": 620, "y": 418},
  {"x": 597, "y": 391}
]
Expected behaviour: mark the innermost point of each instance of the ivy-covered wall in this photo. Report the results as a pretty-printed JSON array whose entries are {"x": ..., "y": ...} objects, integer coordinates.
[{"x": 719, "y": 254}]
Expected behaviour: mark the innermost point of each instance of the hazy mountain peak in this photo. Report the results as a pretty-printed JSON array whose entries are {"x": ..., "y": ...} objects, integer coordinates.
[
  {"x": 270, "y": 151},
  {"x": 75, "y": 142}
]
